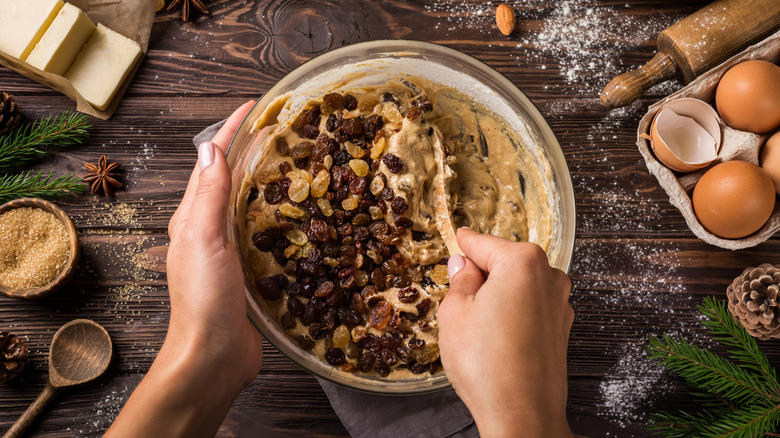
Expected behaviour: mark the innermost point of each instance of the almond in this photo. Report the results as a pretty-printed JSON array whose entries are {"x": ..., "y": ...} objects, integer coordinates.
[{"x": 505, "y": 19}]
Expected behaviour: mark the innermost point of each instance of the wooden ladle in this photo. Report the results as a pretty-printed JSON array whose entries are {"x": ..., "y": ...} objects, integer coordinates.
[{"x": 80, "y": 353}]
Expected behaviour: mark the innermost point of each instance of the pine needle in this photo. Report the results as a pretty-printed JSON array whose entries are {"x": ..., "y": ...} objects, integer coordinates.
[
  {"x": 24, "y": 185},
  {"x": 740, "y": 394},
  {"x": 36, "y": 140}
]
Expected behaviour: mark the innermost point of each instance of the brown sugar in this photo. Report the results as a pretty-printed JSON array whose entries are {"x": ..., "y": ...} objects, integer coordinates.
[{"x": 34, "y": 248}]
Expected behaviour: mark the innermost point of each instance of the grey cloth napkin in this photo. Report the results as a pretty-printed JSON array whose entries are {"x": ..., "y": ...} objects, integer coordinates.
[{"x": 434, "y": 415}]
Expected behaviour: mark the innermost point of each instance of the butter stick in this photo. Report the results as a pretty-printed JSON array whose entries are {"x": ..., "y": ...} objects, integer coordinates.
[
  {"x": 62, "y": 42},
  {"x": 102, "y": 66},
  {"x": 23, "y": 23}
]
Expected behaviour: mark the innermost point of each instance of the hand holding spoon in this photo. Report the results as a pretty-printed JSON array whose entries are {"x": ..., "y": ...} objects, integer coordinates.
[{"x": 80, "y": 353}]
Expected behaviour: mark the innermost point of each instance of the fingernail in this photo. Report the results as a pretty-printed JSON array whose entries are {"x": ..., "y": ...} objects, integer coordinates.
[
  {"x": 205, "y": 155},
  {"x": 464, "y": 228},
  {"x": 455, "y": 264}
]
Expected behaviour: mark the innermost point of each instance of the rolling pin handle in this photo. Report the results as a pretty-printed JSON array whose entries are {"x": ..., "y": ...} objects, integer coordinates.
[{"x": 630, "y": 86}]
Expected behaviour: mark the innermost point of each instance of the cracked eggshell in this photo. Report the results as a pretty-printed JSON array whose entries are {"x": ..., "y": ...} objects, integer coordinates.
[{"x": 685, "y": 135}]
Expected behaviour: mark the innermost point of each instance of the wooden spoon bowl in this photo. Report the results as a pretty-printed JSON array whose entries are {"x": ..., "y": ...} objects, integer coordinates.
[
  {"x": 73, "y": 257},
  {"x": 81, "y": 351}
]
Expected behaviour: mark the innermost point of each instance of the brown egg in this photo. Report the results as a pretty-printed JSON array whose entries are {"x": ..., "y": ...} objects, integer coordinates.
[
  {"x": 770, "y": 159},
  {"x": 734, "y": 199},
  {"x": 748, "y": 96}
]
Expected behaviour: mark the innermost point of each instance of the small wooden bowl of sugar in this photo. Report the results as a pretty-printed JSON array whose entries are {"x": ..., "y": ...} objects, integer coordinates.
[{"x": 39, "y": 248}]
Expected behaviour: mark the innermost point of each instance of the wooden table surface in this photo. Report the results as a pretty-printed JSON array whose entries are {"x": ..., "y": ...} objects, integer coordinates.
[{"x": 637, "y": 269}]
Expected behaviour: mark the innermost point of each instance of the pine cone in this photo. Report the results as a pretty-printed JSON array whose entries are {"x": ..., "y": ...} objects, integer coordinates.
[
  {"x": 13, "y": 355},
  {"x": 753, "y": 301},
  {"x": 10, "y": 117}
]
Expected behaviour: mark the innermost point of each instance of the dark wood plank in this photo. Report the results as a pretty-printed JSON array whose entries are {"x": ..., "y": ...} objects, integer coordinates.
[{"x": 638, "y": 271}]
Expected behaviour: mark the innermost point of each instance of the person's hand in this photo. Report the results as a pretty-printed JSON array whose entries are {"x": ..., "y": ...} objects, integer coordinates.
[
  {"x": 503, "y": 333},
  {"x": 211, "y": 350}
]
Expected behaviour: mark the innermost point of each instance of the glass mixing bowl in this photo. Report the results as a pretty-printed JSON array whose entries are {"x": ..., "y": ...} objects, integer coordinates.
[{"x": 372, "y": 63}]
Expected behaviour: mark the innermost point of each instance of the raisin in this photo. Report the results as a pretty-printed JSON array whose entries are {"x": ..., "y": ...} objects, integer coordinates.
[
  {"x": 266, "y": 240},
  {"x": 387, "y": 194},
  {"x": 332, "y": 123},
  {"x": 404, "y": 222},
  {"x": 358, "y": 186},
  {"x": 290, "y": 268},
  {"x": 336, "y": 297},
  {"x": 404, "y": 353},
  {"x": 388, "y": 357},
  {"x": 372, "y": 124},
  {"x": 352, "y": 128},
  {"x": 299, "y": 121},
  {"x": 328, "y": 320},
  {"x": 273, "y": 193},
  {"x": 346, "y": 272},
  {"x": 284, "y": 168},
  {"x": 315, "y": 255},
  {"x": 348, "y": 317},
  {"x": 414, "y": 113},
  {"x": 399, "y": 205},
  {"x": 320, "y": 229},
  {"x": 302, "y": 163},
  {"x": 345, "y": 229},
  {"x": 377, "y": 278},
  {"x": 380, "y": 315},
  {"x": 293, "y": 288},
  {"x": 408, "y": 295},
  {"x": 394, "y": 163},
  {"x": 423, "y": 307},
  {"x": 416, "y": 343},
  {"x": 348, "y": 283},
  {"x": 423, "y": 103},
  {"x": 305, "y": 342},
  {"x": 316, "y": 331},
  {"x": 253, "y": 194},
  {"x": 310, "y": 314},
  {"x": 421, "y": 236},
  {"x": 341, "y": 157},
  {"x": 314, "y": 269},
  {"x": 320, "y": 151},
  {"x": 361, "y": 219},
  {"x": 389, "y": 97},
  {"x": 295, "y": 306},
  {"x": 334, "y": 100},
  {"x": 307, "y": 287},
  {"x": 361, "y": 233},
  {"x": 302, "y": 150},
  {"x": 309, "y": 131},
  {"x": 350, "y": 103},
  {"x": 313, "y": 116},
  {"x": 366, "y": 361},
  {"x": 268, "y": 289},
  {"x": 281, "y": 147},
  {"x": 280, "y": 280},
  {"x": 399, "y": 259},
  {"x": 325, "y": 289},
  {"x": 287, "y": 321},
  {"x": 378, "y": 228},
  {"x": 417, "y": 368}
]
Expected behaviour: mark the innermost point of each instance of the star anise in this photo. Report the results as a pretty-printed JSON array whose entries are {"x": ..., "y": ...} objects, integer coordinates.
[
  {"x": 103, "y": 176},
  {"x": 185, "y": 6}
]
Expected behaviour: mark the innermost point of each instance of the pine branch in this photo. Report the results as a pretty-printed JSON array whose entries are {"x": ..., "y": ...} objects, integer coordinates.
[
  {"x": 38, "y": 186},
  {"x": 741, "y": 399},
  {"x": 37, "y": 140},
  {"x": 748, "y": 423},
  {"x": 744, "y": 347},
  {"x": 705, "y": 370}
]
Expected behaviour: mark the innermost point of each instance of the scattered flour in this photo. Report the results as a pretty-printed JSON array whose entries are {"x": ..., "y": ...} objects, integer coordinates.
[{"x": 582, "y": 40}]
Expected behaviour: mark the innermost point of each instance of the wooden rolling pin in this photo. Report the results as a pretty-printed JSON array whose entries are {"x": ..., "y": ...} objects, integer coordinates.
[{"x": 696, "y": 44}]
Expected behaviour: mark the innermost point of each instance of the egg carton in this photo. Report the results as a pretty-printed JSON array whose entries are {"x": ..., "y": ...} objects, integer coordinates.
[{"x": 735, "y": 145}]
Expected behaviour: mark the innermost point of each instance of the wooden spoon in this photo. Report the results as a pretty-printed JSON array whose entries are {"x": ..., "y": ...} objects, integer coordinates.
[{"x": 80, "y": 353}]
